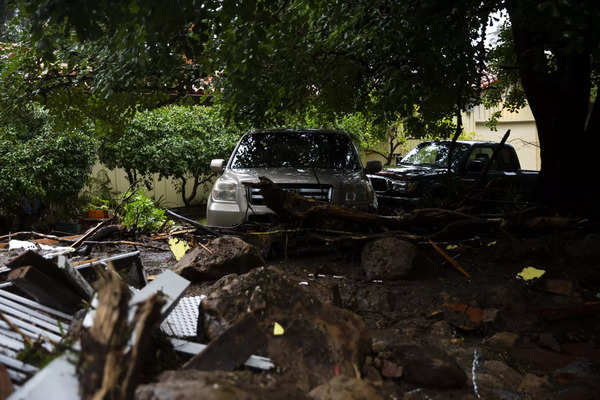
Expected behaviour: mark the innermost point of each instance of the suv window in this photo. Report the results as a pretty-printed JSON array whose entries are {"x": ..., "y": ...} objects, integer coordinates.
[{"x": 297, "y": 150}]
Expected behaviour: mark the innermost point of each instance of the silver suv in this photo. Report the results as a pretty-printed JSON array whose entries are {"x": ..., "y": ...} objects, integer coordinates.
[{"x": 323, "y": 165}]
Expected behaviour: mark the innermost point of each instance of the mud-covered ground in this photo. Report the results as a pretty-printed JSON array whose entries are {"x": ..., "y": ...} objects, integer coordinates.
[
  {"x": 514, "y": 339},
  {"x": 434, "y": 333}
]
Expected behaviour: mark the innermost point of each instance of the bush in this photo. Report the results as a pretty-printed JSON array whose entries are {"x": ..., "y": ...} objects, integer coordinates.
[
  {"x": 175, "y": 142},
  {"x": 140, "y": 212},
  {"x": 42, "y": 165}
]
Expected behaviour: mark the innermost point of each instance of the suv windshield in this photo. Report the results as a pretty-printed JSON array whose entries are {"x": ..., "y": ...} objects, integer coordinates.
[
  {"x": 435, "y": 154},
  {"x": 297, "y": 150}
]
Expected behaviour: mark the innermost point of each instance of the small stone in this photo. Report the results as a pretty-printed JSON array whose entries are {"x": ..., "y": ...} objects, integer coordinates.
[
  {"x": 548, "y": 341},
  {"x": 502, "y": 339},
  {"x": 533, "y": 384},
  {"x": 371, "y": 373},
  {"x": 391, "y": 370},
  {"x": 378, "y": 346},
  {"x": 377, "y": 362}
]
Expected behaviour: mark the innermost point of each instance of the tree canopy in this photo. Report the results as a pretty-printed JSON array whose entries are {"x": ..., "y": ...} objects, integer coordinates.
[{"x": 265, "y": 59}]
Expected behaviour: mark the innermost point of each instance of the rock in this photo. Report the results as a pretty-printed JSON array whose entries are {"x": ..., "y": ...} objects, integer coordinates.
[
  {"x": 490, "y": 315},
  {"x": 494, "y": 376},
  {"x": 548, "y": 341},
  {"x": 533, "y": 384},
  {"x": 378, "y": 346},
  {"x": 429, "y": 367},
  {"x": 228, "y": 255},
  {"x": 318, "y": 340},
  {"x": 345, "y": 388},
  {"x": 540, "y": 359},
  {"x": 559, "y": 286},
  {"x": 502, "y": 339},
  {"x": 442, "y": 329},
  {"x": 371, "y": 373},
  {"x": 581, "y": 372},
  {"x": 391, "y": 370},
  {"x": 388, "y": 258},
  {"x": 215, "y": 385}
]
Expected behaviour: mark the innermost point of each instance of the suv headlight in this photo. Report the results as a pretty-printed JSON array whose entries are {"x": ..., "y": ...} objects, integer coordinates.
[{"x": 224, "y": 191}]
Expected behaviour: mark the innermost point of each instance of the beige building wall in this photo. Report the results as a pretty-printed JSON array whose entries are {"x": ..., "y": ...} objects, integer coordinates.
[
  {"x": 163, "y": 191},
  {"x": 523, "y": 136}
]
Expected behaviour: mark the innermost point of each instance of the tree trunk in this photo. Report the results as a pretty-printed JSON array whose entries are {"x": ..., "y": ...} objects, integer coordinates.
[{"x": 559, "y": 100}]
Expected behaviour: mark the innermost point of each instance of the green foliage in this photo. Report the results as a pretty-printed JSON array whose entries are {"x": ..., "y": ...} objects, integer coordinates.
[
  {"x": 175, "y": 142},
  {"x": 40, "y": 163},
  {"x": 140, "y": 212}
]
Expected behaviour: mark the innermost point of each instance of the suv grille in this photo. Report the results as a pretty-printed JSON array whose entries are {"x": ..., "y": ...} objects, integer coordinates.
[
  {"x": 379, "y": 184},
  {"x": 312, "y": 191}
]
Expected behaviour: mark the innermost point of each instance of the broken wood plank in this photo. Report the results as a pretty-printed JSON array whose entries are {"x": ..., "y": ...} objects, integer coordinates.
[
  {"x": 75, "y": 277},
  {"x": 45, "y": 289},
  {"x": 113, "y": 348},
  {"x": 449, "y": 259},
  {"x": 231, "y": 349},
  {"x": 51, "y": 269},
  {"x": 87, "y": 234},
  {"x": 6, "y": 386}
]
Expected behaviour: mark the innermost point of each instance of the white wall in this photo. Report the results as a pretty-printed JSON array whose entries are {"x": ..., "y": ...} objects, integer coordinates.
[{"x": 162, "y": 190}]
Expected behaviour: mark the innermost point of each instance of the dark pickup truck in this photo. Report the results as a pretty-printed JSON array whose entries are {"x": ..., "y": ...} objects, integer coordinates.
[{"x": 423, "y": 173}]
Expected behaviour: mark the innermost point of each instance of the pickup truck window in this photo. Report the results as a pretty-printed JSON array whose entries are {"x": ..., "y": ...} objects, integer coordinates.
[
  {"x": 506, "y": 159},
  {"x": 296, "y": 150}
]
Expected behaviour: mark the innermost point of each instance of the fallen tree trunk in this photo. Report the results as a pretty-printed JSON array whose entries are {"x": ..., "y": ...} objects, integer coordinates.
[{"x": 292, "y": 207}]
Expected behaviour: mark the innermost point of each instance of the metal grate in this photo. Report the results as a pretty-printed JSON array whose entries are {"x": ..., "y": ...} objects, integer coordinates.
[
  {"x": 183, "y": 320},
  {"x": 311, "y": 191},
  {"x": 33, "y": 320}
]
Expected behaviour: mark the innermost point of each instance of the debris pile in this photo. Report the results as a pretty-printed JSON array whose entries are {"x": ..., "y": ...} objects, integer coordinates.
[{"x": 370, "y": 311}]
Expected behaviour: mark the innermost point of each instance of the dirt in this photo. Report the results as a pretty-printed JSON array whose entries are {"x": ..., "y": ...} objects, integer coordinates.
[
  {"x": 506, "y": 337},
  {"x": 434, "y": 308}
]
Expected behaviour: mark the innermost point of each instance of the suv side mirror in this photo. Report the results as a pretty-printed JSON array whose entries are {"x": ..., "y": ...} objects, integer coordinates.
[
  {"x": 217, "y": 165},
  {"x": 398, "y": 160},
  {"x": 373, "y": 167}
]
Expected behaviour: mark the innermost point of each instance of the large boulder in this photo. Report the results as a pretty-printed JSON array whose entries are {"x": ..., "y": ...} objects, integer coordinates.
[
  {"x": 312, "y": 341},
  {"x": 388, "y": 258},
  {"x": 216, "y": 385},
  {"x": 222, "y": 256}
]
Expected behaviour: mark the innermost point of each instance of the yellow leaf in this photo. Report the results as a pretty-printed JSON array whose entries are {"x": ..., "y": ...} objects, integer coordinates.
[
  {"x": 491, "y": 243},
  {"x": 277, "y": 329},
  {"x": 530, "y": 273},
  {"x": 451, "y": 247},
  {"x": 178, "y": 247}
]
